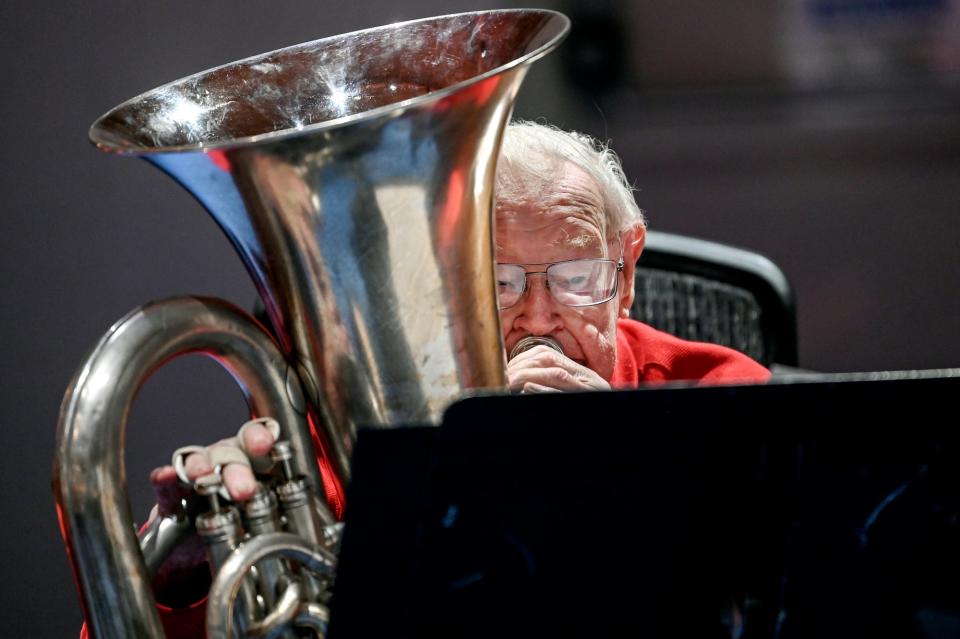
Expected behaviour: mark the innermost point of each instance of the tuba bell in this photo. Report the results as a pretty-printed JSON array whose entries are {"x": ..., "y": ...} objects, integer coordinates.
[{"x": 354, "y": 175}]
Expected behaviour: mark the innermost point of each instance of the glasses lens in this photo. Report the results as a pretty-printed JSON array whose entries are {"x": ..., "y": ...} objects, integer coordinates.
[
  {"x": 582, "y": 282},
  {"x": 510, "y": 283}
]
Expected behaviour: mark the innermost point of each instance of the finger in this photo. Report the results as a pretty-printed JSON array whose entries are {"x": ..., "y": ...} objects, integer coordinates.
[
  {"x": 163, "y": 475},
  {"x": 532, "y": 360},
  {"x": 531, "y": 388},
  {"x": 539, "y": 353},
  {"x": 197, "y": 465},
  {"x": 545, "y": 357},
  {"x": 239, "y": 481},
  {"x": 557, "y": 378},
  {"x": 167, "y": 489},
  {"x": 257, "y": 440},
  {"x": 552, "y": 377},
  {"x": 558, "y": 372}
]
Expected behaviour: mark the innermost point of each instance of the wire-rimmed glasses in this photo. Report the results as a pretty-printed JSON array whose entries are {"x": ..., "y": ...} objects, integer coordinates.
[{"x": 581, "y": 282}]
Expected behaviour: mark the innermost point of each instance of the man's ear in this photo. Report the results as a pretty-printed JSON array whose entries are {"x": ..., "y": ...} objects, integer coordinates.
[{"x": 633, "y": 243}]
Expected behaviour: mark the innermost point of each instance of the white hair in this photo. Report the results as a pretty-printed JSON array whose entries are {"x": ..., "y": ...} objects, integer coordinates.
[{"x": 531, "y": 158}]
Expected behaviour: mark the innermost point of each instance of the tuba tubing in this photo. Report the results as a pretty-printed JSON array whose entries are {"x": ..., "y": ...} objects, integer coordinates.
[
  {"x": 228, "y": 582},
  {"x": 89, "y": 474}
]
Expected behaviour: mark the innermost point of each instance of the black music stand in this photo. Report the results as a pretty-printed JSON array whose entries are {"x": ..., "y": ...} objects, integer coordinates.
[{"x": 790, "y": 510}]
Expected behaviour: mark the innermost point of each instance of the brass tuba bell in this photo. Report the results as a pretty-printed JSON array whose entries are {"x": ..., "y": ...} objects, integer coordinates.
[{"x": 354, "y": 175}]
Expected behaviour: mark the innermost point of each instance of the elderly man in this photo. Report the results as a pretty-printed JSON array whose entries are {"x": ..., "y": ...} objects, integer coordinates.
[{"x": 568, "y": 236}]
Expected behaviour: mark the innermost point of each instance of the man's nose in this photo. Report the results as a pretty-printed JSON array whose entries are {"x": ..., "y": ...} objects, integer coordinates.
[{"x": 538, "y": 314}]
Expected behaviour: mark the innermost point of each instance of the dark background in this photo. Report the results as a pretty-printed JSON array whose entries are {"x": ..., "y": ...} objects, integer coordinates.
[{"x": 822, "y": 133}]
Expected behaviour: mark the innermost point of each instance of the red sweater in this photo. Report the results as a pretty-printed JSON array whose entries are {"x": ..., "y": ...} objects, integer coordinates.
[{"x": 648, "y": 356}]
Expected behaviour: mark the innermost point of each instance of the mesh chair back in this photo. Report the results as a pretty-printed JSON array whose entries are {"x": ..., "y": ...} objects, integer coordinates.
[{"x": 710, "y": 292}]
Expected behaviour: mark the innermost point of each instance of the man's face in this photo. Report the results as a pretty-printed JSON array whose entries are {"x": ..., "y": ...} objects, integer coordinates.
[{"x": 567, "y": 223}]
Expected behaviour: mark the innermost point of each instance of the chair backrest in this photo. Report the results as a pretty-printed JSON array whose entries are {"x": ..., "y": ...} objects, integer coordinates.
[{"x": 710, "y": 292}]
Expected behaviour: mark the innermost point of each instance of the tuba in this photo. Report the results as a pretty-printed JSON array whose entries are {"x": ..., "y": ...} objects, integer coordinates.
[{"x": 354, "y": 175}]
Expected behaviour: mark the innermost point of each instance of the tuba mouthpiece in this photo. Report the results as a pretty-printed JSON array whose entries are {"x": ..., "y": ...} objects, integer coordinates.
[{"x": 535, "y": 340}]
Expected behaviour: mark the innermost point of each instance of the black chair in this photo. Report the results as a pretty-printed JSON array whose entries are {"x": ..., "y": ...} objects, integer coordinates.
[{"x": 710, "y": 292}]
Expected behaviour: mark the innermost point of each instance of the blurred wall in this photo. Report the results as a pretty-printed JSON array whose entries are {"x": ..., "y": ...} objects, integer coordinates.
[{"x": 844, "y": 175}]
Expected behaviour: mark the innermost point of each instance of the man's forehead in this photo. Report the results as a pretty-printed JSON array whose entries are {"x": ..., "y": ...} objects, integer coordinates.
[
  {"x": 568, "y": 212},
  {"x": 548, "y": 229}
]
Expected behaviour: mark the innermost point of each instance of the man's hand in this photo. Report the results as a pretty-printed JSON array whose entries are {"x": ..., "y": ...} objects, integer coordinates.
[
  {"x": 542, "y": 369},
  {"x": 184, "y": 577},
  {"x": 237, "y": 478}
]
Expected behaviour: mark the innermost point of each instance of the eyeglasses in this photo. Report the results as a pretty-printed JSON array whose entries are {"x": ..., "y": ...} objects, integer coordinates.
[{"x": 584, "y": 282}]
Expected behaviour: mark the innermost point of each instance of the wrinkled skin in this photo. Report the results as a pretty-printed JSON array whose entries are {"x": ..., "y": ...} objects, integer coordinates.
[{"x": 567, "y": 224}]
